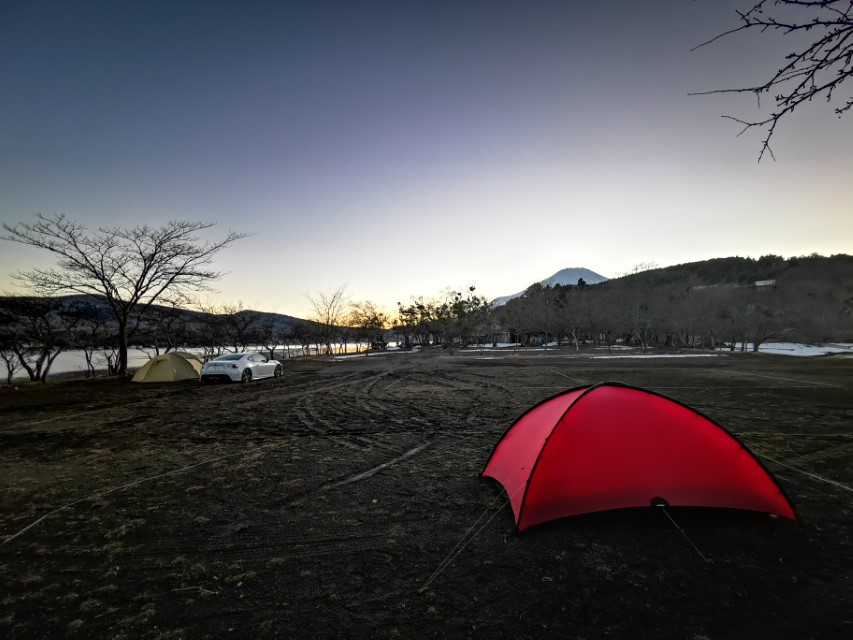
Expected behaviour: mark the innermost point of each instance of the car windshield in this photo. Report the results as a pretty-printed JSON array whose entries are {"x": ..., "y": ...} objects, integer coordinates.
[{"x": 230, "y": 356}]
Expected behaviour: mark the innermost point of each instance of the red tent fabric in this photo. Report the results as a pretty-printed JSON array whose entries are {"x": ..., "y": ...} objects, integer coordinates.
[{"x": 611, "y": 446}]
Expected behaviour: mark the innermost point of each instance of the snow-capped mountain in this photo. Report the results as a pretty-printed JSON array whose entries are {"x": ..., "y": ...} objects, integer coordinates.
[{"x": 562, "y": 277}]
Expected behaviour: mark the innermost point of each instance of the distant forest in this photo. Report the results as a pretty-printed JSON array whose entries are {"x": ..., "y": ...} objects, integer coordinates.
[
  {"x": 700, "y": 305},
  {"x": 697, "y": 305}
]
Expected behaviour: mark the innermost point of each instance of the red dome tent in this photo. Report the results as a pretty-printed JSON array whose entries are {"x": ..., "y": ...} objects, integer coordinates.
[{"x": 611, "y": 446}]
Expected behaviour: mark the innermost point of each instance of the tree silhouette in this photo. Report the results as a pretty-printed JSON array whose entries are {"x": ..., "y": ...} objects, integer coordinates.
[
  {"x": 329, "y": 312},
  {"x": 129, "y": 269},
  {"x": 816, "y": 69}
]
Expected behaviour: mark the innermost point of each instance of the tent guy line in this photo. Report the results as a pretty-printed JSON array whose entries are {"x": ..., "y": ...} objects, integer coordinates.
[
  {"x": 772, "y": 434},
  {"x": 663, "y": 508},
  {"x": 840, "y": 485},
  {"x": 460, "y": 546},
  {"x": 740, "y": 388},
  {"x": 560, "y": 373},
  {"x": 802, "y": 382}
]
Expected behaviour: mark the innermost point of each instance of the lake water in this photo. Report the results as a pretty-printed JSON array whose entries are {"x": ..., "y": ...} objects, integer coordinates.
[{"x": 69, "y": 363}]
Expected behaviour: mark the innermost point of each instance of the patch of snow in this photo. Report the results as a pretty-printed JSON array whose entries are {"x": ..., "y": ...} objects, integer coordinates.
[
  {"x": 657, "y": 355},
  {"x": 370, "y": 354},
  {"x": 499, "y": 345},
  {"x": 797, "y": 349}
]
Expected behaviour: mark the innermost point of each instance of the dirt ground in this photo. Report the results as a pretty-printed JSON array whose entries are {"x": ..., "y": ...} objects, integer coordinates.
[{"x": 319, "y": 504}]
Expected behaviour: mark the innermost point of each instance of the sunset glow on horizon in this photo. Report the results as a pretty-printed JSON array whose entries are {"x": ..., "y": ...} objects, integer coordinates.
[{"x": 403, "y": 148}]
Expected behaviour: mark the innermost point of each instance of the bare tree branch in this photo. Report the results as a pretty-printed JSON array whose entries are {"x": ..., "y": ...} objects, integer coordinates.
[
  {"x": 816, "y": 70},
  {"x": 129, "y": 269},
  {"x": 329, "y": 311}
]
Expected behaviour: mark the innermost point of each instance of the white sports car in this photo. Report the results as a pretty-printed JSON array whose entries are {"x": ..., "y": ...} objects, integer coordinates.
[{"x": 240, "y": 367}]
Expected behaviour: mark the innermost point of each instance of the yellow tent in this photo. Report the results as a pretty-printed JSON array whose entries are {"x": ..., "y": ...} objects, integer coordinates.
[
  {"x": 195, "y": 361},
  {"x": 169, "y": 367}
]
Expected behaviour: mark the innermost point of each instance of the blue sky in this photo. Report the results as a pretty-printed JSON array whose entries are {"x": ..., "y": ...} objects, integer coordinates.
[{"x": 406, "y": 147}]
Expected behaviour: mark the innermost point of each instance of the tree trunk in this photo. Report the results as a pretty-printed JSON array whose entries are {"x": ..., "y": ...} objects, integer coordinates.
[
  {"x": 11, "y": 367},
  {"x": 48, "y": 364},
  {"x": 26, "y": 365},
  {"x": 122, "y": 347},
  {"x": 89, "y": 354}
]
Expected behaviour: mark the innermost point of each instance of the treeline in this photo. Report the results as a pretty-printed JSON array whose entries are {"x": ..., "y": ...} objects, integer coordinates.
[
  {"x": 728, "y": 301},
  {"x": 34, "y": 331}
]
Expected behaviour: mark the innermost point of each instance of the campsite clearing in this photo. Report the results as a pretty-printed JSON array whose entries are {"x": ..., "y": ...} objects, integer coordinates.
[{"x": 340, "y": 500}]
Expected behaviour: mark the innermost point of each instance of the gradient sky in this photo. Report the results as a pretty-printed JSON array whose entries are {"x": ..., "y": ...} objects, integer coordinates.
[{"x": 406, "y": 147}]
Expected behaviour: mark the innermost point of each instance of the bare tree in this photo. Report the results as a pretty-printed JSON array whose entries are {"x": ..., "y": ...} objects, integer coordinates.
[
  {"x": 765, "y": 321},
  {"x": 8, "y": 339},
  {"x": 10, "y": 363},
  {"x": 329, "y": 311},
  {"x": 7, "y": 352},
  {"x": 370, "y": 321},
  {"x": 208, "y": 329},
  {"x": 270, "y": 333},
  {"x": 92, "y": 334},
  {"x": 165, "y": 324},
  {"x": 37, "y": 330},
  {"x": 514, "y": 317},
  {"x": 570, "y": 313},
  {"x": 127, "y": 268},
  {"x": 456, "y": 320},
  {"x": 731, "y": 315},
  {"x": 304, "y": 333},
  {"x": 415, "y": 322},
  {"x": 641, "y": 305},
  {"x": 815, "y": 70},
  {"x": 241, "y": 325},
  {"x": 469, "y": 312},
  {"x": 605, "y": 317},
  {"x": 542, "y": 308}
]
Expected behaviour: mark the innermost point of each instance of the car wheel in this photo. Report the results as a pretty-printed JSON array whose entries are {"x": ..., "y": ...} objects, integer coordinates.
[
  {"x": 277, "y": 372},
  {"x": 247, "y": 375}
]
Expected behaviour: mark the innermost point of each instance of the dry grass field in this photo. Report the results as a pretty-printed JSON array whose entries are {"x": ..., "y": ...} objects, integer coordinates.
[{"x": 318, "y": 505}]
